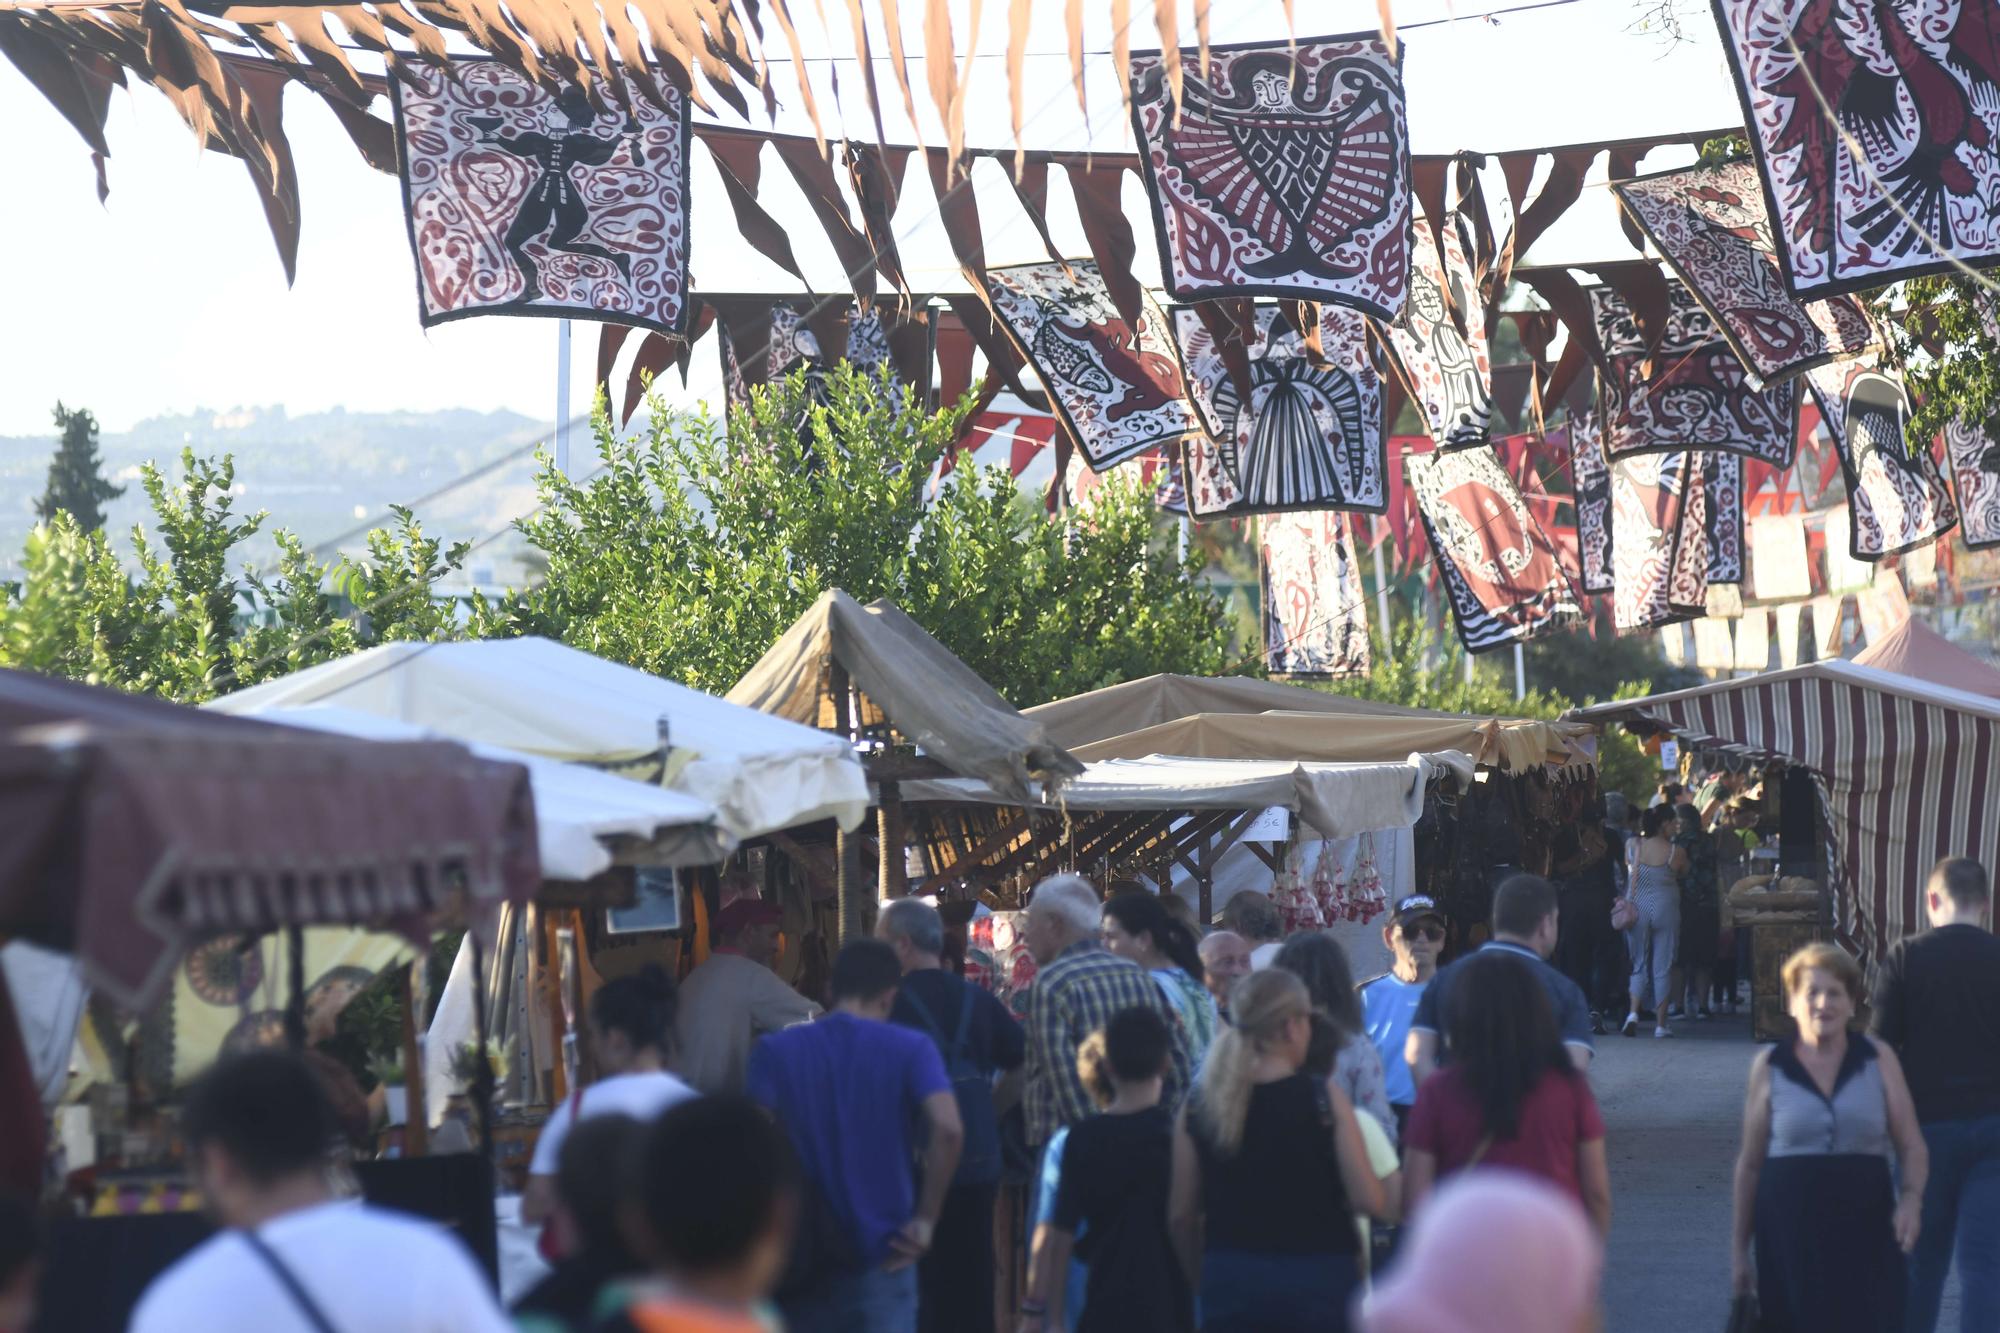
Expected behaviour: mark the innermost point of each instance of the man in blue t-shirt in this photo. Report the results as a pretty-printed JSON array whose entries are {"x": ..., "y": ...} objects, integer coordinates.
[
  {"x": 1524, "y": 926},
  {"x": 851, "y": 1091},
  {"x": 1415, "y": 937}
]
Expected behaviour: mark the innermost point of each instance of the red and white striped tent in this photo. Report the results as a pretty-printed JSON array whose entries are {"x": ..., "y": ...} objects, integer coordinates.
[{"x": 1907, "y": 772}]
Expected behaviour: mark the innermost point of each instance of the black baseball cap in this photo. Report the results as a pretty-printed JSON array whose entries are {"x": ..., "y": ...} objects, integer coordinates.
[{"x": 1416, "y": 907}]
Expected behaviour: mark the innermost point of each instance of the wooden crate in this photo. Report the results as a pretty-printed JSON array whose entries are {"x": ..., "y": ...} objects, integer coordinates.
[{"x": 1771, "y": 943}]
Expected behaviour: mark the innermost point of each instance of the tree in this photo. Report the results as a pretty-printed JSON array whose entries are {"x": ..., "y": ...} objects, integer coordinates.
[
  {"x": 690, "y": 550},
  {"x": 76, "y": 483}
]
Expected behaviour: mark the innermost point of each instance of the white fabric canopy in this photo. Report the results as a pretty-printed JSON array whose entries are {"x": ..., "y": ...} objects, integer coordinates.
[
  {"x": 1336, "y": 800},
  {"x": 761, "y": 773},
  {"x": 578, "y": 810}
]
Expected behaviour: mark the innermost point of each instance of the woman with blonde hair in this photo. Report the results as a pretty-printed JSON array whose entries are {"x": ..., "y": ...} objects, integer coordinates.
[
  {"x": 1825, "y": 1112},
  {"x": 1269, "y": 1168}
]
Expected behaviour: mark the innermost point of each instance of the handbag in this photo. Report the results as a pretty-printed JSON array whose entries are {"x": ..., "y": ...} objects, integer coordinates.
[
  {"x": 1744, "y": 1316},
  {"x": 1624, "y": 914}
]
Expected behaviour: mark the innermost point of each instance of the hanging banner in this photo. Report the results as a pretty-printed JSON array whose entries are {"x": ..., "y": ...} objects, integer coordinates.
[
  {"x": 1674, "y": 645},
  {"x": 1722, "y": 483},
  {"x": 1284, "y": 171},
  {"x": 1309, "y": 436},
  {"x": 1899, "y": 175},
  {"x": 1714, "y": 648},
  {"x": 1118, "y": 390},
  {"x": 1450, "y": 373},
  {"x": 1648, "y": 499},
  {"x": 761, "y": 342},
  {"x": 1687, "y": 584},
  {"x": 1753, "y": 640},
  {"x": 1778, "y": 564},
  {"x": 1315, "y": 614},
  {"x": 1829, "y": 626},
  {"x": 1975, "y": 470},
  {"x": 1690, "y": 392},
  {"x": 1712, "y": 226},
  {"x": 1591, "y": 481},
  {"x": 1883, "y": 606},
  {"x": 1843, "y": 572},
  {"x": 1787, "y": 616},
  {"x": 1896, "y": 492},
  {"x": 1502, "y": 575},
  {"x": 520, "y": 203},
  {"x": 1725, "y": 601}
]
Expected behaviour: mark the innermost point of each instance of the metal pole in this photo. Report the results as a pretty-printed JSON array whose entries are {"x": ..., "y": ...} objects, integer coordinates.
[
  {"x": 1520, "y": 672},
  {"x": 1381, "y": 583},
  {"x": 562, "y": 396},
  {"x": 1181, "y": 546}
]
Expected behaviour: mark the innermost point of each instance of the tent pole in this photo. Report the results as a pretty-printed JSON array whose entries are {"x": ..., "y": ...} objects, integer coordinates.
[
  {"x": 893, "y": 867},
  {"x": 482, "y": 1077},
  {"x": 416, "y": 1116},
  {"x": 295, "y": 1008},
  {"x": 562, "y": 396},
  {"x": 847, "y": 881}
]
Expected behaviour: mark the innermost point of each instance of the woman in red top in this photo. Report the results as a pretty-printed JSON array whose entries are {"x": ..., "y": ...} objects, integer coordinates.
[{"x": 1509, "y": 1096}]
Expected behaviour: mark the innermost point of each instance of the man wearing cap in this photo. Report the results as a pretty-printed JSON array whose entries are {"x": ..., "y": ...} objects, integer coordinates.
[
  {"x": 734, "y": 998},
  {"x": 1415, "y": 937}
]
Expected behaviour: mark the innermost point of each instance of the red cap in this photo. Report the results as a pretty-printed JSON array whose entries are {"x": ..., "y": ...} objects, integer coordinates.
[{"x": 745, "y": 913}]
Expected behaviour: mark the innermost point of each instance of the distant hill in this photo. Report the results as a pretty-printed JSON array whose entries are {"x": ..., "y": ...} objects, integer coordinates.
[{"x": 321, "y": 475}]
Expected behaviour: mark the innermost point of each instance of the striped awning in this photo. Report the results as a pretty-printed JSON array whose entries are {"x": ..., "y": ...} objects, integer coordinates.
[{"x": 1908, "y": 773}]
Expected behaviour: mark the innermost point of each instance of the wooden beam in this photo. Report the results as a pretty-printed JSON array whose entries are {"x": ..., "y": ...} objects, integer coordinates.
[
  {"x": 1229, "y": 839},
  {"x": 1267, "y": 856},
  {"x": 1000, "y": 838}
]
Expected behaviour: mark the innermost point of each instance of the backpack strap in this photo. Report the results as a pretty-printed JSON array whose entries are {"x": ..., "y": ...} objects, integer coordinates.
[
  {"x": 315, "y": 1317},
  {"x": 962, "y": 1042}
]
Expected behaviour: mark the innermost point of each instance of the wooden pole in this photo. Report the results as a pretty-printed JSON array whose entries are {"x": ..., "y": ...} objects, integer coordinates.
[
  {"x": 417, "y": 1121},
  {"x": 893, "y": 868},
  {"x": 295, "y": 1007},
  {"x": 847, "y": 879}
]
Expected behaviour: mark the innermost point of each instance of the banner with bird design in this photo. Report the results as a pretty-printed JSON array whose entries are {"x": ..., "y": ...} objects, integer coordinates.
[
  {"x": 1117, "y": 389},
  {"x": 520, "y": 203},
  {"x": 1280, "y": 170},
  {"x": 1875, "y": 129},
  {"x": 1307, "y": 435}
]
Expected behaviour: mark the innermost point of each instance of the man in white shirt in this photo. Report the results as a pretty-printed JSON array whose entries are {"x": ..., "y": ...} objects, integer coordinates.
[
  {"x": 295, "y": 1259},
  {"x": 734, "y": 998}
]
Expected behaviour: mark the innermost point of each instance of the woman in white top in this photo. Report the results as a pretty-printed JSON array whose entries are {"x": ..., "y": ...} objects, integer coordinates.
[{"x": 631, "y": 1036}]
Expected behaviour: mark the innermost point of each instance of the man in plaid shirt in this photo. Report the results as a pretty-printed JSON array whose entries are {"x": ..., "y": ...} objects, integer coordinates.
[{"x": 1079, "y": 985}]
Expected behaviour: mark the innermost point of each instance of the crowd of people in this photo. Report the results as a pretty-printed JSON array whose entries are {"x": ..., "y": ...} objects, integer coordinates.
[{"x": 1219, "y": 1134}]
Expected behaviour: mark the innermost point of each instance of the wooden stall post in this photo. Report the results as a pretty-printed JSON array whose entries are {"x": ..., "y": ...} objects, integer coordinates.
[
  {"x": 847, "y": 879},
  {"x": 416, "y": 1117},
  {"x": 894, "y": 881}
]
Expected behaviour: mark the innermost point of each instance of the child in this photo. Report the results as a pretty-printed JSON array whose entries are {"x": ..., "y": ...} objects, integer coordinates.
[
  {"x": 715, "y": 1196},
  {"x": 1115, "y": 1174}
]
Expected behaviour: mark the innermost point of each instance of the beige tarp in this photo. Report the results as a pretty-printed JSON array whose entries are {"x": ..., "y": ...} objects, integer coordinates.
[
  {"x": 1229, "y": 717},
  {"x": 927, "y": 694},
  {"x": 1335, "y": 800}
]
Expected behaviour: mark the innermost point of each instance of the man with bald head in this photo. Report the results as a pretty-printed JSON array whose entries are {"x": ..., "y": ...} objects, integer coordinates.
[
  {"x": 1080, "y": 985},
  {"x": 1225, "y": 960}
]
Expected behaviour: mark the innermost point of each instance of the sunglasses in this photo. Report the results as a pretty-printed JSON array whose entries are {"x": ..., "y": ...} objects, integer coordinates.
[{"x": 1432, "y": 933}]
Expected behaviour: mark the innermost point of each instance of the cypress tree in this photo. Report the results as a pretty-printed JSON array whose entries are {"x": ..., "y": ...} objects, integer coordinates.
[{"x": 76, "y": 483}]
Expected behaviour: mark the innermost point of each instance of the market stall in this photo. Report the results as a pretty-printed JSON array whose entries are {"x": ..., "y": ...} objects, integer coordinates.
[{"x": 1904, "y": 772}]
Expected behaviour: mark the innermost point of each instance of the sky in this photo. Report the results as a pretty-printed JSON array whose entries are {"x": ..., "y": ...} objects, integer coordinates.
[{"x": 170, "y": 297}]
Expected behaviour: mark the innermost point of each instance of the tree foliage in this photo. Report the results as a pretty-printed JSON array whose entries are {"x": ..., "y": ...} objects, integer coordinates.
[
  {"x": 76, "y": 483},
  {"x": 691, "y": 549}
]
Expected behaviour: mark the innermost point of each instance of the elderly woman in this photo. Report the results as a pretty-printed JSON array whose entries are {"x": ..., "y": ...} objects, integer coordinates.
[{"x": 1825, "y": 1113}]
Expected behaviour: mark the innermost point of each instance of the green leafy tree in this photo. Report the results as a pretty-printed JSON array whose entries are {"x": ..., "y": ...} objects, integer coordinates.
[
  {"x": 691, "y": 549},
  {"x": 76, "y": 478}
]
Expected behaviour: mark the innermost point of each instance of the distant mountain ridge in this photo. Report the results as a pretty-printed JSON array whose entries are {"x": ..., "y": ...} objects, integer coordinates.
[{"x": 313, "y": 472}]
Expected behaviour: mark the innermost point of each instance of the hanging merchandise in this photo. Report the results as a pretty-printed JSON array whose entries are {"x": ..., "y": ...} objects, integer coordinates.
[
  {"x": 1829, "y": 626},
  {"x": 1689, "y": 391},
  {"x": 1503, "y": 578},
  {"x": 1787, "y": 615},
  {"x": 521, "y": 203},
  {"x": 1648, "y": 504},
  {"x": 1722, "y": 483},
  {"x": 761, "y": 342},
  {"x": 1315, "y": 615},
  {"x": 1687, "y": 585},
  {"x": 1119, "y": 391},
  {"x": 1753, "y": 640},
  {"x": 1877, "y": 132},
  {"x": 1284, "y": 171},
  {"x": 1725, "y": 601},
  {"x": 1448, "y": 368},
  {"x": 1778, "y": 564},
  {"x": 1843, "y": 572},
  {"x": 1591, "y": 481},
  {"x": 1309, "y": 436},
  {"x": 1714, "y": 648},
  {"x": 1975, "y": 470},
  {"x": 1896, "y": 492},
  {"x": 1711, "y": 225},
  {"x": 1674, "y": 645}
]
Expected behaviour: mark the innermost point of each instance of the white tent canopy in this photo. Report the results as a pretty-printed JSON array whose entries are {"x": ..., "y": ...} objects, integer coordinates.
[
  {"x": 1335, "y": 800},
  {"x": 581, "y": 814},
  {"x": 760, "y": 773}
]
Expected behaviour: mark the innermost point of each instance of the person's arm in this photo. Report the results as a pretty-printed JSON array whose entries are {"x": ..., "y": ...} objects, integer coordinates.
[
  {"x": 940, "y": 1160},
  {"x": 1383, "y": 1162},
  {"x": 1749, "y": 1165},
  {"x": 1574, "y": 1014},
  {"x": 1360, "y": 1070},
  {"x": 1888, "y": 1020},
  {"x": 538, "y": 1199},
  {"x": 1678, "y": 862},
  {"x": 1593, "y": 1177},
  {"x": 1420, "y": 1051},
  {"x": 1048, "y": 1279},
  {"x": 1419, "y": 1176},
  {"x": 775, "y": 1006},
  {"x": 1357, "y": 1177},
  {"x": 1913, "y": 1158},
  {"x": 1184, "y": 1204}
]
